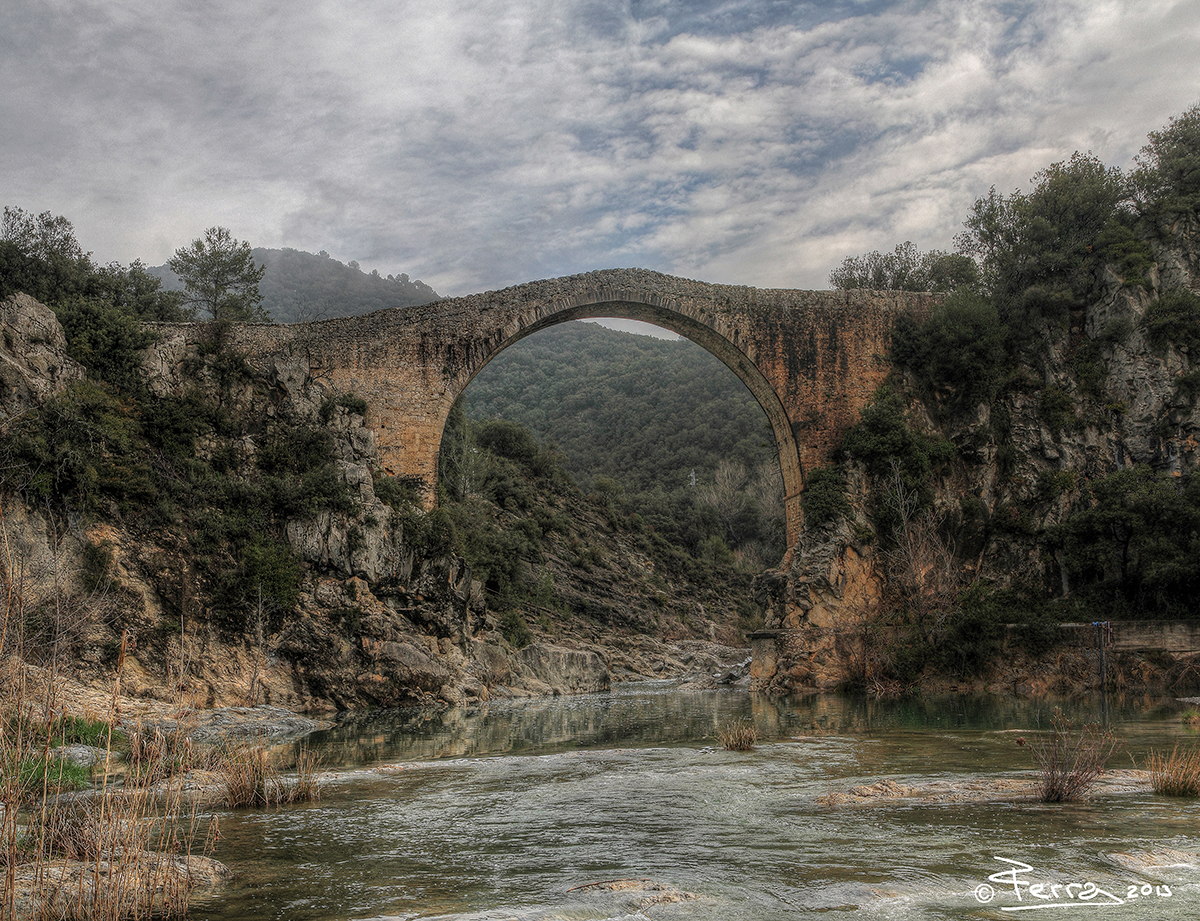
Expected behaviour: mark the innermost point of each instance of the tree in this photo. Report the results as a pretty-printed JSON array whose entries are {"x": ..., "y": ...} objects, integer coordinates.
[
  {"x": 1048, "y": 239},
  {"x": 43, "y": 237},
  {"x": 905, "y": 269},
  {"x": 220, "y": 277},
  {"x": 1168, "y": 176},
  {"x": 40, "y": 256}
]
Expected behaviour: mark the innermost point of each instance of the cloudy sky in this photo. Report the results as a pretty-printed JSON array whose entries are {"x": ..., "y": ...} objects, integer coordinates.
[{"x": 475, "y": 144}]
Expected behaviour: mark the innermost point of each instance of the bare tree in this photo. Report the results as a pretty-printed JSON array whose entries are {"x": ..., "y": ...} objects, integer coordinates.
[
  {"x": 920, "y": 565},
  {"x": 726, "y": 495}
]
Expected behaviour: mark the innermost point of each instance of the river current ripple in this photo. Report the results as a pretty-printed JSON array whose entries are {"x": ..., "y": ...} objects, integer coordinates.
[{"x": 623, "y": 805}]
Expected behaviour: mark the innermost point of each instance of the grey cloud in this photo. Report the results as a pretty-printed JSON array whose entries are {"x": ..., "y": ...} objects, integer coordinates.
[{"x": 474, "y": 144}]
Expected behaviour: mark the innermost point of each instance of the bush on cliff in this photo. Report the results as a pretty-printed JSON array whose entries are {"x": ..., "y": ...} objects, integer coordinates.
[
  {"x": 1133, "y": 547},
  {"x": 1167, "y": 180},
  {"x": 824, "y": 498},
  {"x": 1174, "y": 319},
  {"x": 957, "y": 354}
]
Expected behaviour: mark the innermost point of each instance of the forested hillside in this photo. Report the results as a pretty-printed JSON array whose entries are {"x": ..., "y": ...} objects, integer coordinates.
[
  {"x": 300, "y": 286},
  {"x": 663, "y": 426},
  {"x": 647, "y": 412}
]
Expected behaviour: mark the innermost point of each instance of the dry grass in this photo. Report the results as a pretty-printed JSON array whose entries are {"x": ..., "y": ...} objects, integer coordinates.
[
  {"x": 99, "y": 857},
  {"x": 250, "y": 778},
  {"x": 155, "y": 756},
  {"x": 96, "y": 856},
  {"x": 738, "y": 737},
  {"x": 1070, "y": 760},
  {"x": 1177, "y": 774}
]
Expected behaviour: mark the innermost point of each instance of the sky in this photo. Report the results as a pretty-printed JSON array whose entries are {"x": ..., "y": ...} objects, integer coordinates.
[{"x": 476, "y": 144}]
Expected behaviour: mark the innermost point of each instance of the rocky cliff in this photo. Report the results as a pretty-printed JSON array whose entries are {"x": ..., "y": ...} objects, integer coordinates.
[
  {"x": 224, "y": 542},
  {"x": 1114, "y": 391}
]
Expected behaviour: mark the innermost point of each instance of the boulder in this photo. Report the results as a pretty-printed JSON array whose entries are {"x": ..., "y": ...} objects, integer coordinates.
[
  {"x": 33, "y": 355},
  {"x": 560, "y": 670}
]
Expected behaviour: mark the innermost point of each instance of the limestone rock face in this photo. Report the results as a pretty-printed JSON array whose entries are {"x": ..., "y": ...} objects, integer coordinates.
[
  {"x": 33, "y": 355},
  {"x": 545, "y": 668},
  {"x": 376, "y": 625},
  {"x": 829, "y": 574}
]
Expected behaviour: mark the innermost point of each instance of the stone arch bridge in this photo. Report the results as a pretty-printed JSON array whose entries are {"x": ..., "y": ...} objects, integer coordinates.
[{"x": 812, "y": 359}]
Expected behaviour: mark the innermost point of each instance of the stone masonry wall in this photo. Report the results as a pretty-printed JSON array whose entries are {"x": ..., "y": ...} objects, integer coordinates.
[{"x": 811, "y": 358}]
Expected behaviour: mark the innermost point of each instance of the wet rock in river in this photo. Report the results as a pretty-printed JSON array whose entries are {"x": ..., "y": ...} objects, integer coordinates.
[{"x": 543, "y": 668}]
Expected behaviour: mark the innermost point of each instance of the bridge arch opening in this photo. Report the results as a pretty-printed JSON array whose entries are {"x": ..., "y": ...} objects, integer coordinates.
[
  {"x": 654, "y": 423},
  {"x": 693, "y": 329}
]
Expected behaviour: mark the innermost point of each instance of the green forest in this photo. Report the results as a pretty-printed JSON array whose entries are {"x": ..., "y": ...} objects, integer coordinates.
[{"x": 661, "y": 426}]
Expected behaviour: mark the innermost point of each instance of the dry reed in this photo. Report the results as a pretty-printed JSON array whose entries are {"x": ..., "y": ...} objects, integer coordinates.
[
  {"x": 738, "y": 737},
  {"x": 108, "y": 855},
  {"x": 1177, "y": 774},
  {"x": 250, "y": 778},
  {"x": 104, "y": 854}
]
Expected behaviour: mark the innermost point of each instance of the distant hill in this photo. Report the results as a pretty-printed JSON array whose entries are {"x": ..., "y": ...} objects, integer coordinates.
[
  {"x": 646, "y": 412},
  {"x": 301, "y": 286}
]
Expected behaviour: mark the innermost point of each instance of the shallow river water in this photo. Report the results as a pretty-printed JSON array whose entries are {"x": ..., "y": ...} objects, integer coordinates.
[{"x": 515, "y": 810}]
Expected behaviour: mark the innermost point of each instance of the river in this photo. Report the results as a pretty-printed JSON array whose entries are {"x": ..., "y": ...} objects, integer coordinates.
[{"x": 517, "y": 810}]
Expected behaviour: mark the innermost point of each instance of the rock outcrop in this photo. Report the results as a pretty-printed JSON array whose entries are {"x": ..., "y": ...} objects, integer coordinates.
[
  {"x": 33, "y": 356},
  {"x": 379, "y": 619},
  {"x": 1005, "y": 491}
]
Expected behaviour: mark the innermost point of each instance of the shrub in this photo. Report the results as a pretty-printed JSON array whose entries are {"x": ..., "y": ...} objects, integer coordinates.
[
  {"x": 715, "y": 552},
  {"x": 507, "y": 439},
  {"x": 1174, "y": 319},
  {"x": 958, "y": 352},
  {"x": 884, "y": 443},
  {"x": 297, "y": 450},
  {"x": 84, "y": 445},
  {"x": 398, "y": 491},
  {"x": 824, "y": 498},
  {"x": 266, "y": 579},
  {"x": 108, "y": 342},
  {"x": 1057, "y": 410},
  {"x": 1128, "y": 254},
  {"x": 1187, "y": 387},
  {"x": 1070, "y": 760},
  {"x": 514, "y": 629}
]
